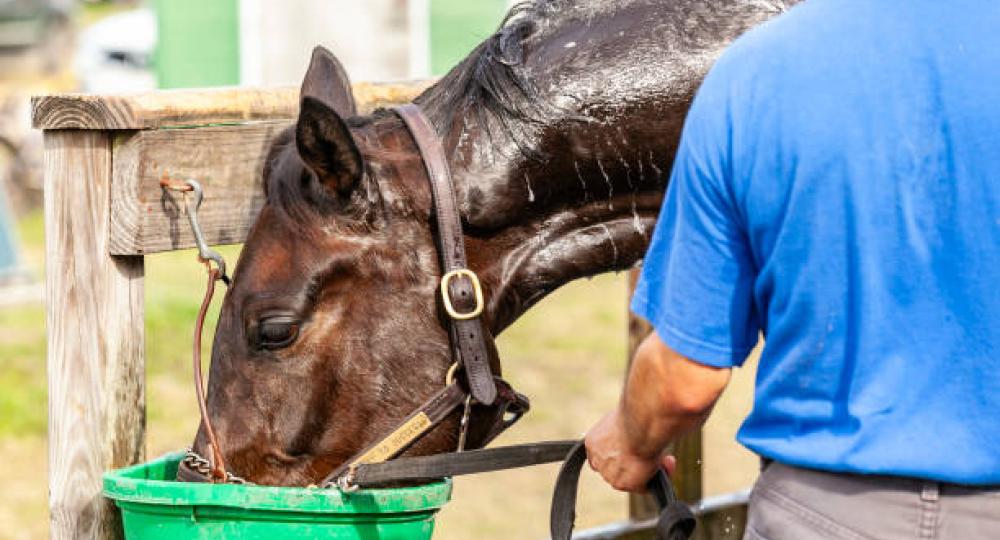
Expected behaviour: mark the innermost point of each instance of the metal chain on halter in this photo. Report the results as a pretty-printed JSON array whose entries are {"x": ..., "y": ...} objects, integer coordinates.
[
  {"x": 203, "y": 466},
  {"x": 463, "y": 426},
  {"x": 215, "y": 467}
]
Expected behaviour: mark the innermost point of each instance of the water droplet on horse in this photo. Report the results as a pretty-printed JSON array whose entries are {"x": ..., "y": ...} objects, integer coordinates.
[
  {"x": 531, "y": 194},
  {"x": 614, "y": 247},
  {"x": 636, "y": 222},
  {"x": 583, "y": 184},
  {"x": 607, "y": 180},
  {"x": 652, "y": 163},
  {"x": 570, "y": 44},
  {"x": 628, "y": 171}
]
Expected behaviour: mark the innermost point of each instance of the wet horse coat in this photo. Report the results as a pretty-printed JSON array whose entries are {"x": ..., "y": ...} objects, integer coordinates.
[{"x": 560, "y": 129}]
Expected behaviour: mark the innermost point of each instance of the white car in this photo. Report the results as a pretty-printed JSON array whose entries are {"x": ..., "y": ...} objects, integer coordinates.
[{"x": 115, "y": 54}]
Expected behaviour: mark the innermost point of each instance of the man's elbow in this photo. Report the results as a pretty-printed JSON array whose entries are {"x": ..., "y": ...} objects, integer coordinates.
[
  {"x": 691, "y": 388},
  {"x": 696, "y": 400}
]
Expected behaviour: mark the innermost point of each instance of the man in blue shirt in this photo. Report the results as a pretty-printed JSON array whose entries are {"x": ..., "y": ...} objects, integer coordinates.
[{"x": 837, "y": 188}]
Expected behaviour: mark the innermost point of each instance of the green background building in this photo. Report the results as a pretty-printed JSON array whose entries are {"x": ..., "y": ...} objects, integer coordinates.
[{"x": 199, "y": 41}]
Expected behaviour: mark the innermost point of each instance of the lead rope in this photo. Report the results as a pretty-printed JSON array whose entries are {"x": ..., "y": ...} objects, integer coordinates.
[
  {"x": 216, "y": 465},
  {"x": 676, "y": 521}
]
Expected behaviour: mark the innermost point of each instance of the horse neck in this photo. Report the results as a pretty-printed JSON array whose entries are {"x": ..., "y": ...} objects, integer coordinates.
[
  {"x": 588, "y": 207},
  {"x": 576, "y": 191}
]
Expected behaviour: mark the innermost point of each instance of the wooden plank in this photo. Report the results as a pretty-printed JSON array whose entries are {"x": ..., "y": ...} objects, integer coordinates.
[
  {"x": 227, "y": 161},
  {"x": 687, "y": 478},
  {"x": 94, "y": 315},
  {"x": 196, "y": 107}
]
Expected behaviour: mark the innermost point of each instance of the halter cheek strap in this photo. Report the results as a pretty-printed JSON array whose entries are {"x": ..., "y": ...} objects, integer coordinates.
[
  {"x": 463, "y": 303},
  {"x": 461, "y": 292}
]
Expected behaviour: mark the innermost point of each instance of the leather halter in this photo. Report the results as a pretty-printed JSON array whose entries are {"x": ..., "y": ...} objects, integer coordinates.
[
  {"x": 473, "y": 350},
  {"x": 371, "y": 467},
  {"x": 472, "y": 345}
]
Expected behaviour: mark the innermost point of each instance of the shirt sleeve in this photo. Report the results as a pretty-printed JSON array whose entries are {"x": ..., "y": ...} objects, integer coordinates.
[{"x": 696, "y": 286}]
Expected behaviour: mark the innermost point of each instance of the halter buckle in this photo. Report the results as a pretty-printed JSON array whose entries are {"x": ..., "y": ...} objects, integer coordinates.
[{"x": 476, "y": 288}]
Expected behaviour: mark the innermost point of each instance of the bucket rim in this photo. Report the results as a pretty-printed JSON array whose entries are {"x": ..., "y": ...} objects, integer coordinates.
[{"x": 144, "y": 483}]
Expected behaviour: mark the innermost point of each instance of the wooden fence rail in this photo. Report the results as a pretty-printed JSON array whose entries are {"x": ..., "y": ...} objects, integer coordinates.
[{"x": 104, "y": 210}]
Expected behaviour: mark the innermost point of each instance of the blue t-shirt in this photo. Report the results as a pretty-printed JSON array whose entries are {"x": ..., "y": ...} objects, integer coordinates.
[{"x": 837, "y": 188}]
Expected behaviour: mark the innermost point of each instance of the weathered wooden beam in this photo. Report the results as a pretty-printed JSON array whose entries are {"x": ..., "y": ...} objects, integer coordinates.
[
  {"x": 226, "y": 160},
  {"x": 94, "y": 314},
  {"x": 171, "y": 108}
]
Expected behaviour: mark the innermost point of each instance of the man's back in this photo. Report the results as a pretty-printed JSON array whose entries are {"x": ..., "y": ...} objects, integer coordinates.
[{"x": 845, "y": 162}]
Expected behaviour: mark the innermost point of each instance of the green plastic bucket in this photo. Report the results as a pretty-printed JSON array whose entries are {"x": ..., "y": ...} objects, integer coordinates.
[{"x": 154, "y": 506}]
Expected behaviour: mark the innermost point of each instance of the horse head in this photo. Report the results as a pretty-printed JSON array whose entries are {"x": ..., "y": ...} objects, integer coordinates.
[{"x": 331, "y": 330}]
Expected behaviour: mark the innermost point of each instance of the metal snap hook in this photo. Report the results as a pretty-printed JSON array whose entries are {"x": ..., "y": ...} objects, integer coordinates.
[
  {"x": 205, "y": 253},
  {"x": 346, "y": 482}
]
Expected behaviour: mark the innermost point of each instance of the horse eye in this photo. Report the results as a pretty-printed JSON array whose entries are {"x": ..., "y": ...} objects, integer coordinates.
[{"x": 277, "y": 332}]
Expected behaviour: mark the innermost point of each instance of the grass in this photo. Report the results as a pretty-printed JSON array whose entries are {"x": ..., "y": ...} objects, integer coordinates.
[
  {"x": 568, "y": 355},
  {"x": 22, "y": 348}
]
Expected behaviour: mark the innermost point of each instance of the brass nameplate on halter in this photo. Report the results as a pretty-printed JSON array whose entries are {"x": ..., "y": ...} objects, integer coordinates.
[{"x": 397, "y": 440}]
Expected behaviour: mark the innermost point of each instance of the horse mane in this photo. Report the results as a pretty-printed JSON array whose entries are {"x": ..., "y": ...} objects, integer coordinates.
[{"x": 492, "y": 81}]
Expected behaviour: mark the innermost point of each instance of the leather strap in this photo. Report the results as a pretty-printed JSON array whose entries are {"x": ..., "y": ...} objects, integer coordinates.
[
  {"x": 510, "y": 407},
  {"x": 427, "y": 468},
  {"x": 468, "y": 337},
  {"x": 676, "y": 520},
  {"x": 409, "y": 430},
  {"x": 218, "y": 470}
]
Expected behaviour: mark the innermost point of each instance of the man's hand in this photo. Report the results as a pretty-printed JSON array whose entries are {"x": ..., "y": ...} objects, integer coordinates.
[
  {"x": 666, "y": 395},
  {"x": 609, "y": 454}
]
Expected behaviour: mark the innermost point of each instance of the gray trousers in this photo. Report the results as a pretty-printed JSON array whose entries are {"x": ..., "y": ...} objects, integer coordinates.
[{"x": 789, "y": 503}]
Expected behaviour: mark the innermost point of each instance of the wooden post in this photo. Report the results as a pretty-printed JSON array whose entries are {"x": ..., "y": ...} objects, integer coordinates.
[
  {"x": 104, "y": 210},
  {"x": 94, "y": 314},
  {"x": 687, "y": 477}
]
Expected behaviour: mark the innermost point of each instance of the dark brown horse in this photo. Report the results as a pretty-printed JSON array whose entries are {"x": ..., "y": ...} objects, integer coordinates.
[{"x": 561, "y": 129}]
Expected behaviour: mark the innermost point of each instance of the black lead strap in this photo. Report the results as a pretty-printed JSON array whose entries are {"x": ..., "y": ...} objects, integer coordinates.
[
  {"x": 429, "y": 468},
  {"x": 676, "y": 521}
]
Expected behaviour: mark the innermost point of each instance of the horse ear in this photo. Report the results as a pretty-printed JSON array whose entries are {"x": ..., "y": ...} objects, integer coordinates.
[
  {"x": 327, "y": 80},
  {"x": 326, "y": 146}
]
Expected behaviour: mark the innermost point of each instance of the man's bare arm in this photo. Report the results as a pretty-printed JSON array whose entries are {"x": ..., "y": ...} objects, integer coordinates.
[{"x": 666, "y": 395}]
